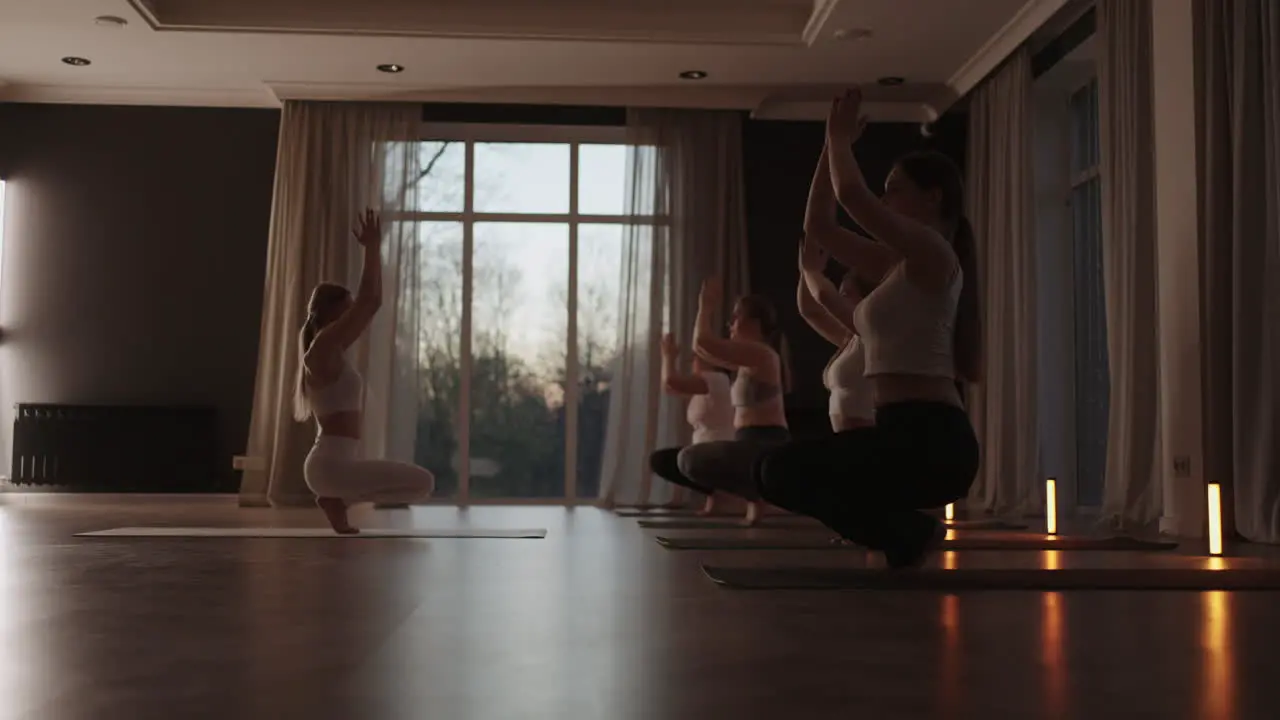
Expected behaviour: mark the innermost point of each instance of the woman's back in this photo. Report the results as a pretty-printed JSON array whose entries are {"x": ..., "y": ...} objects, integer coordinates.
[
  {"x": 337, "y": 404},
  {"x": 757, "y": 394}
]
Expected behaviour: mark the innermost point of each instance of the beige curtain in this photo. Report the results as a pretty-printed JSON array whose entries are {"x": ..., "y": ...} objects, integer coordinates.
[
  {"x": 1001, "y": 199},
  {"x": 333, "y": 160},
  {"x": 1239, "y": 91},
  {"x": 1132, "y": 494},
  {"x": 686, "y": 171}
]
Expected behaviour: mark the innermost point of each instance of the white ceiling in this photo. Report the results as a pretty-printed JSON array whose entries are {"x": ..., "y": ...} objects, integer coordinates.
[{"x": 780, "y": 58}]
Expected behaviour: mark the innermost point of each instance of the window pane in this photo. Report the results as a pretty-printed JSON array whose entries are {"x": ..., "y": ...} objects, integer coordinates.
[
  {"x": 519, "y": 313},
  {"x": 522, "y": 178},
  {"x": 443, "y": 167},
  {"x": 439, "y": 352},
  {"x": 1093, "y": 382},
  {"x": 1084, "y": 128},
  {"x": 602, "y": 179},
  {"x": 599, "y": 298}
]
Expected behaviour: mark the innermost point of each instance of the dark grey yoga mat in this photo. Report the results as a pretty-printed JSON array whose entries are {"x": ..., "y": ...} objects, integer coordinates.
[
  {"x": 310, "y": 532},
  {"x": 664, "y": 513},
  {"x": 1188, "y": 579},
  {"x": 983, "y": 525},
  {"x": 783, "y": 522},
  {"x": 731, "y": 522},
  {"x": 1009, "y": 542}
]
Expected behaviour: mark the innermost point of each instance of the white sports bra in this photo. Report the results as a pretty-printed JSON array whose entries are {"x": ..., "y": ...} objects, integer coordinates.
[
  {"x": 907, "y": 330},
  {"x": 711, "y": 415},
  {"x": 852, "y": 397},
  {"x": 346, "y": 394}
]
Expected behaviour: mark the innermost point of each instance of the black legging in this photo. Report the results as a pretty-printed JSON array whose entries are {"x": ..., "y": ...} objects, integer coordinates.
[
  {"x": 869, "y": 484},
  {"x": 663, "y": 463}
]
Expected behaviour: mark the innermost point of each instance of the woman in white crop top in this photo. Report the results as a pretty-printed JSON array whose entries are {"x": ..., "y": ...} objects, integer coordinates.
[
  {"x": 710, "y": 414},
  {"x": 829, "y": 311},
  {"x": 920, "y": 335},
  {"x": 756, "y": 351},
  {"x": 331, "y": 390}
]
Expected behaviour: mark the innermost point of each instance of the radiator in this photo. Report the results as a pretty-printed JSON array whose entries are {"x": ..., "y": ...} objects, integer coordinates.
[{"x": 116, "y": 448}]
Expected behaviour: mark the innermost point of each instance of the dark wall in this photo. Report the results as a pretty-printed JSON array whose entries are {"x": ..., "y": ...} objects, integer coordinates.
[
  {"x": 134, "y": 260},
  {"x": 778, "y": 160}
]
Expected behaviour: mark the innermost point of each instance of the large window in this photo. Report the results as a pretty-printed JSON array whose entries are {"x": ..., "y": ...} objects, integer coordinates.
[
  {"x": 1093, "y": 384},
  {"x": 522, "y": 232}
]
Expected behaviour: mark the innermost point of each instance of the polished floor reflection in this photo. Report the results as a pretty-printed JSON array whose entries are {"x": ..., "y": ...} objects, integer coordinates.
[{"x": 594, "y": 622}]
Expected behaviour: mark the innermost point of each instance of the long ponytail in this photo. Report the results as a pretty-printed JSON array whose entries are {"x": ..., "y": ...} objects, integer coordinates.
[
  {"x": 968, "y": 331},
  {"x": 306, "y": 336}
]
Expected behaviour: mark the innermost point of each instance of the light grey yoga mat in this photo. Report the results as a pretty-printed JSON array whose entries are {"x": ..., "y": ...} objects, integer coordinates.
[
  {"x": 1188, "y": 579},
  {"x": 1006, "y": 542},
  {"x": 310, "y": 532}
]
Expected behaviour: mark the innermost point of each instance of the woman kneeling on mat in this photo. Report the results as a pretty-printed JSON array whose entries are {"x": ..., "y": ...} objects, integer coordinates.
[
  {"x": 755, "y": 350},
  {"x": 920, "y": 333},
  {"x": 710, "y": 414},
  {"x": 331, "y": 390}
]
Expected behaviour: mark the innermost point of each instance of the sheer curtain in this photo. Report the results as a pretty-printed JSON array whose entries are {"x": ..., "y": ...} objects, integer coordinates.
[
  {"x": 1002, "y": 209},
  {"x": 333, "y": 160},
  {"x": 1239, "y": 90},
  {"x": 1132, "y": 493},
  {"x": 685, "y": 198}
]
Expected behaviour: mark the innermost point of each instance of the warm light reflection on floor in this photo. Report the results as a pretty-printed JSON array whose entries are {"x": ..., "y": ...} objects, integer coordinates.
[
  {"x": 950, "y": 560},
  {"x": 1053, "y": 657},
  {"x": 952, "y": 689},
  {"x": 1218, "y": 671},
  {"x": 1051, "y": 559}
]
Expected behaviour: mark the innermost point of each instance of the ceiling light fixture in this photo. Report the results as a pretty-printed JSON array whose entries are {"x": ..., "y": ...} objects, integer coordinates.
[
  {"x": 852, "y": 33},
  {"x": 890, "y": 81},
  {"x": 75, "y": 61},
  {"x": 693, "y": 75},
  {"x": 391, "y": 68},
  {"x": 110, "y": 21}
]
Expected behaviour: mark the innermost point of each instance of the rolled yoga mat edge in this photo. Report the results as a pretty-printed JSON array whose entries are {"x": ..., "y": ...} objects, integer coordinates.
[
  {"x": 312, "y": 532},
  {"x": 1094, "y": 579},
  {"x": 1014, "y": 543}
]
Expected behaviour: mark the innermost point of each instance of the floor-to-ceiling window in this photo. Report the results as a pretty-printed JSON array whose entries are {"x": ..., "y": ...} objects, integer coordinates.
[
  {"x": 521, "y": 231},
  {"x": 1093, "y": 385}
]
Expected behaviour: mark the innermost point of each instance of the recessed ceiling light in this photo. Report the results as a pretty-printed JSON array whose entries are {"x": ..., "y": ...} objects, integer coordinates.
[
  {"x": 852, "y": 33},
  {"x": 693, "y": 75},
  {"x": 110, "y": 21},
  {"x": 890, "y": 81},
  {"x": 391, "y": 68},
  {"x": 75, "y": 61}
]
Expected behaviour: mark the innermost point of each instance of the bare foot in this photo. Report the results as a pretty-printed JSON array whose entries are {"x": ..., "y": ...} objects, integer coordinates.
[
  {"x": 753, "y": 515},
  {"x": 708, "y": 508},
  {"x": 335, "y": 511}
]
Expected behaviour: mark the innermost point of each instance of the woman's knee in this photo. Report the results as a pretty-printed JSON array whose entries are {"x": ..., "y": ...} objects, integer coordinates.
[
  {"x": 689, "y": 461},
  {"x": 778, "y": 470}
]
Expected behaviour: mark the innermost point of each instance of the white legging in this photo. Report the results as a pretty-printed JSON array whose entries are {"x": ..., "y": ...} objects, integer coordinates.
[{"x": 334, "y": 469}]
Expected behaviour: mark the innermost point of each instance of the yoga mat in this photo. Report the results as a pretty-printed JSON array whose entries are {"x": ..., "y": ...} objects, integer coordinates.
[
  {"x": 773, "y": 523},
  {"x": 983, "y": 525},
  {"x": 662, "y": 513},
  {"x": 1191, "y": 579},
  {"x": 1011, "y": 542},
  {"x": 309, "y": 532}
]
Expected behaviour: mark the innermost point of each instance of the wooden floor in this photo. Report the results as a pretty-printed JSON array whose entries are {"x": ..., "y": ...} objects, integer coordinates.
[{"x": 594, "y": 622}]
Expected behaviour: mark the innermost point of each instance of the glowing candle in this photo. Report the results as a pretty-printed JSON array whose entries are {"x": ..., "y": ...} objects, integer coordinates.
[
  {"x": 1051, "y": 506},
  {"x": 1215, "y": 519},
  {"x": 950, "y": 512}
]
